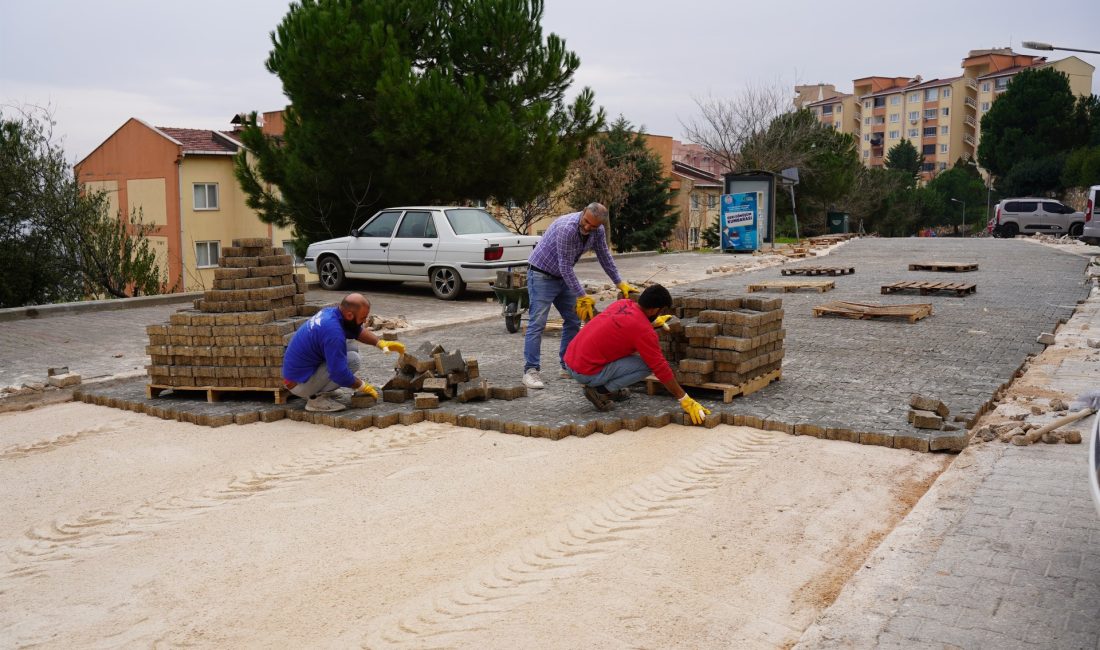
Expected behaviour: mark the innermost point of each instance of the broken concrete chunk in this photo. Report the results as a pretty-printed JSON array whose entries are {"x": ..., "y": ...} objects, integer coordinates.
[
  {"x": 1073, "y": 437},
  {"x": 922, "y": 403},
  {"x": 64, "y": 380},
  {"x": 1058, "y": 405},
  {"x": 1046, "y": 338}
]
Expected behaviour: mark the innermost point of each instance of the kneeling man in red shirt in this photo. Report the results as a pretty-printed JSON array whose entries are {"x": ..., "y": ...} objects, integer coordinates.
[{"x": 619, "y": 347}]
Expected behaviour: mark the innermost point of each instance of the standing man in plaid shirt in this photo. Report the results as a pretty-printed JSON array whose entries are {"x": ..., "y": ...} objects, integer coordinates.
[{"x": 552, "y": 281}]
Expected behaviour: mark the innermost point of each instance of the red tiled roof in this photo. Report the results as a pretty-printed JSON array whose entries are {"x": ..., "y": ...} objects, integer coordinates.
[
  {"x": 1012, "y": 70},
  {"x": 831, "y": 100},
  {"x": 201, "y": 140}
]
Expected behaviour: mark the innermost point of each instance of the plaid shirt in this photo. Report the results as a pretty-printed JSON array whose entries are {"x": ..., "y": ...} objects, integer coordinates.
[{"x": 561, "y": 246}]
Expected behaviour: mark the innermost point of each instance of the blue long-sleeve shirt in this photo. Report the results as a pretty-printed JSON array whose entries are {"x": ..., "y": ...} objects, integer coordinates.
[
  {"x": 321, "y": 339},
  {"x": 561, "y": 246}
]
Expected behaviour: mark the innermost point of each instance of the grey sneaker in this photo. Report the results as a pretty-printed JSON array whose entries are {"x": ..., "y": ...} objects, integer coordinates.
[
  {"x": 531, "y": 379},
  {"x": 619, "y": 395},
  {"x": 323, "y": 405}
]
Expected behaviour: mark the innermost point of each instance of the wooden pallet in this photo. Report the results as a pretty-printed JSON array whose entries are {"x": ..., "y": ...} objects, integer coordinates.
[
  {"x": 652, "y": 384},
  {"x": 925, "y": 288},
  {"x": 793, "y": 285},
  {"x": 819, "y": 270},
  {"x": 953, "y": 267},
  {"x": 912, "y": 312},
  {"x": 214, "y": 393}
]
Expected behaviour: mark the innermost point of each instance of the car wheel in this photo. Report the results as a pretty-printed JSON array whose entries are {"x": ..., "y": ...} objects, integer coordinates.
[
  {"x": 1010, "y": 230},
  {"x": 1076, "y": 229},
  {"x": 331, "y": 273},
  {"x": 446, "y": 283}
]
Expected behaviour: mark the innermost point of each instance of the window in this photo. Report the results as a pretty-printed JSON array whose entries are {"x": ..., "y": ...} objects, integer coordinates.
[
  {"x": 207, "y": 253},
  {"x": 914, "y": 97},
  {"x": 943, "y": 130},
  {"x": 867, "y": 104},
  {"x": 867, "y": 120},
  {"x": 1002, "y": 82},
  {"x": 946, "y": 93},
  {"x": 914, "y": 115},
  {"x": 288, "y": 249},
  {"x": 474, "y": 222},
  {"x": 866, "y": 137},
  {"x": 380, "y": 226},
  {"x": 932, "y": 95},
  {"x": 943, "y": 148},
  {"x": 878, "y": 120},
  {"x": 826, "y": 110},
  {"x": 206, "y": 196},
  {"x": 1055, "y": 208},
  {"x": 895, "y": 100},
  {"x": 880, "y": 102},
  {"x": 945, "y": 111},
  {"x": 913, "y": 133},
  {"x": 417, "y": 225},
  {"x": 866, "y": 153},
  {"x": 985, "y": 86},
  {"x": 927, "y": 167},
  {"x": 930, "y": 114},
  {"x": 895, "y": 134},
  {"x": 694, "y": 201},
  {"x": 839, "y": 108},
  {"x": 941, "y": 166},
  {"x": 893, "y": 117},
  {"x": 1021, "y": 206},
  {"x": 985, "y": 106},
  {"x": 693, "y": 237},
  {"x": 928, "y": 132},
  {"x": 712, "y": 201},
  {"x": 928, "y": 149}
]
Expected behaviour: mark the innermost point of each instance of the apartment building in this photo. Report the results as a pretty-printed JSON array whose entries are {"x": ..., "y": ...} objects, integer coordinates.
[
  {"x": 182, "y": 182},
  {"x": 941, "y": 117}
]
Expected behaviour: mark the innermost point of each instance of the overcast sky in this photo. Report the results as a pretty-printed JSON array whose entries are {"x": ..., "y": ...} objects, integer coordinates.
[{"x": 197, "y": 63}]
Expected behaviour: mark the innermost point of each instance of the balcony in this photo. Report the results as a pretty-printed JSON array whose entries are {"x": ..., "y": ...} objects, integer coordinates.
[
  {"x": 971, "y": 103},
  {"x": 972, "y": 83},
  {"x": 969, "y": 139},
  {"x": 971, "y": 122}
]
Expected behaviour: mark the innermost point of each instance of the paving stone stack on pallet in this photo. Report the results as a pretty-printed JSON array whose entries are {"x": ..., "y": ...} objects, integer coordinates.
[
  {"x": 237, "y": 332},
  {"x": 723, "y": 339},
  {"x": 430, "y": 374}
]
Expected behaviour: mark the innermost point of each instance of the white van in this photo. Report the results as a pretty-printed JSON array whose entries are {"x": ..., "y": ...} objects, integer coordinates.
[{"x": 1090, "y": 234}]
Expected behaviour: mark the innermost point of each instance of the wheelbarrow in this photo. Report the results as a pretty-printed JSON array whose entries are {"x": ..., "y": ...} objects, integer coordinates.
[{"x": 514, "y": 302}]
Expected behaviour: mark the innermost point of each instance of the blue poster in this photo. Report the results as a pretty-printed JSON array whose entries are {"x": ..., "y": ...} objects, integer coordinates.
[{"x": 739, "y": 215}]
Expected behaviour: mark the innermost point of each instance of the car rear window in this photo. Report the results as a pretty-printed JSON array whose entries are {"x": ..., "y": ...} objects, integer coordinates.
[
  {"x": 471, "y": 221},
  {"x": 417, "y": 225},
  {"x": 1021, "y": 206}
]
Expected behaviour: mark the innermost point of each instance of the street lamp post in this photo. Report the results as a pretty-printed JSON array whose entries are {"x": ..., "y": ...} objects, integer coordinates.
[
  {"x": 1037, "y": 45},
  {"x": 963, "y": 228}
]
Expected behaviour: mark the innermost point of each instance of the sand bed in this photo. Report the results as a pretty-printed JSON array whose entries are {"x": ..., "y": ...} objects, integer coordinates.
[{"x": 124, "y": 530}]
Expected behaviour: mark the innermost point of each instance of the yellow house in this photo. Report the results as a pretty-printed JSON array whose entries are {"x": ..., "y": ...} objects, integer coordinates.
[{"x": 182, "y": 182}]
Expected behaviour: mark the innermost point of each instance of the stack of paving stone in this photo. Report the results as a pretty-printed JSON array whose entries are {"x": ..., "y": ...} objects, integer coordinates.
[
  {"x": 722, "y": 339},
  {"x": 431, "y": 374},
  {"x": 236, "y": 335}
]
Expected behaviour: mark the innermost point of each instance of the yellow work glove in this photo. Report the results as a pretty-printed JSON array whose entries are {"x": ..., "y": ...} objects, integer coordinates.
[
  {"x": 586, "y": 308},
  {"x": 367, "y": 389},
  {"x": 694, "y": 409},
  {"x": 391, "y": 346},
  {"x": 661, "y": 320},
  {"x": 625, "y": 287}
]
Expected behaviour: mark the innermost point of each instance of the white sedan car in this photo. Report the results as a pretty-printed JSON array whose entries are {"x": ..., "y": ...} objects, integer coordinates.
[{"x": 445, "y": 246}]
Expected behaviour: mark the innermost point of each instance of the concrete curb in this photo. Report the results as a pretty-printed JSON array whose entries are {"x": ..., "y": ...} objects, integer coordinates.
[{"x": 67, "y": 308}]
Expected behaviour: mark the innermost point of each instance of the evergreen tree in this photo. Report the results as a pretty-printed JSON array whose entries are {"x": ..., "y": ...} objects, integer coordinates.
[
  {"x": 904, "y": 157},
  {"x": 1035, "y": 118},
  {"x": 398, "y": 102}
]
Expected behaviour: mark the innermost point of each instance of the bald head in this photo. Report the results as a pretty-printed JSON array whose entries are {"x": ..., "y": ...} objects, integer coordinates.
[{"x": 355, "y": 307}]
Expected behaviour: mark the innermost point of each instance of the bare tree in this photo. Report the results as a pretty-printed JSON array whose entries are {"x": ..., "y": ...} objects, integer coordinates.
[
  {"x": 520, "y": 217},
  {"x": 745, "y": 132},
  {"x": 595, "y": 177}
]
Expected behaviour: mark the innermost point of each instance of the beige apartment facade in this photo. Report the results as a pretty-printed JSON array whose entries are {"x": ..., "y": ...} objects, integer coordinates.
[
  {"x": 182, "y": 182},
  {"x": 941, "y": 117}
]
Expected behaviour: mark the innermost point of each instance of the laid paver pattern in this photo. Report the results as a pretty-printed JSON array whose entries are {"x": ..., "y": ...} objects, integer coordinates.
[{"x": 853, "y": 378}]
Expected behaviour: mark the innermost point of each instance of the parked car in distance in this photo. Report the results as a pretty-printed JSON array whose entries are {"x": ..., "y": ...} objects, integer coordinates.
[
  {"x": 1031, "y": 215},
  {"x": 1090, "y": 234},
  {"x": 446, "y": 246}
]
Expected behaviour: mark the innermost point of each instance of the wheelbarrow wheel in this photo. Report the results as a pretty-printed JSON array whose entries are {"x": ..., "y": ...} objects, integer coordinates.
[{"x": 511, "y": 317}]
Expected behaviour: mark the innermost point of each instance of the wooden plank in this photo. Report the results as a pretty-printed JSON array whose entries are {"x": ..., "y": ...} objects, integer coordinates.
[
  {"x": 792, "y": 285},
  {"x": 912, "y": 312},
  {"x": 729, "y": 391},
  {"x": 214, "y": 393},
  {"x": 819, "y": 270}
]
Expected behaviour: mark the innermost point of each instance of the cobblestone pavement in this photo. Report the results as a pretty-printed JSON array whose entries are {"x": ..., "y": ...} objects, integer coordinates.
[
  {"x": 112, "y": 343},
  {"x": 1004, "y": 549},
  {"x": 847, "y": 374}
]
